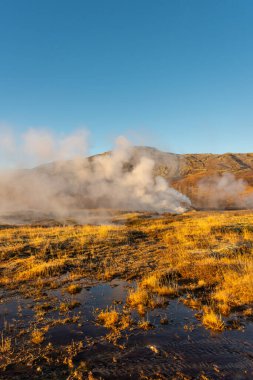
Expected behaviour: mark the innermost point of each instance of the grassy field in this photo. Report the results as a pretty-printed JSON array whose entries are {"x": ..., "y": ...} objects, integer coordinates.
[
  {"x": 197, "y": 250},
  {"x": 204, "y": 260}
]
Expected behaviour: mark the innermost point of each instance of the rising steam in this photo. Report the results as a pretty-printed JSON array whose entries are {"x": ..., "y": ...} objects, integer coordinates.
[
  {"x": 224, "y": 191},
  {"x": 73, "y": 183}
]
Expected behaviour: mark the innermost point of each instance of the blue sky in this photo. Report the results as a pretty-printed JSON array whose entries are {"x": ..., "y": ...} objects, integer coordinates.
[{"x": 177, "y": 75}]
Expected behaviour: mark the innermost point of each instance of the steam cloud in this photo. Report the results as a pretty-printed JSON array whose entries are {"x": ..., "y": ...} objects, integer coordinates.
[
  {"x": 37, "y": 146},
  {"x": 225, "y": 191},
  {"x": 73, "y": 183}
]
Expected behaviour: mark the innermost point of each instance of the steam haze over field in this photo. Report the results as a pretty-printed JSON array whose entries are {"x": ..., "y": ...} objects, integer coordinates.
[
  {"x": 70, "y": 182},
  {"x": 51, "y": 175}
]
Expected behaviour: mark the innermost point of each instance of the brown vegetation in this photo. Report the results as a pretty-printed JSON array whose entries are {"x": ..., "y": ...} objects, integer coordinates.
[
  {"x": 194, "y": 253},
  {"x": 203, "y": 258}
]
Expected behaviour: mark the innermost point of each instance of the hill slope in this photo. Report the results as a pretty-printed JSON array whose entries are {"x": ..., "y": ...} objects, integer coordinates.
[
  {"x": 209, "y": 180},
  {"x": 124, "y": 180}
]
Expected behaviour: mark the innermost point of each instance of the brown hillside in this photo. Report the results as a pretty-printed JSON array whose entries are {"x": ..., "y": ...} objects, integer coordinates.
[
  {"x": 210, "y": 180},
  {"x": 196, "y": 169},
  {"x": 198, "y": 176}
]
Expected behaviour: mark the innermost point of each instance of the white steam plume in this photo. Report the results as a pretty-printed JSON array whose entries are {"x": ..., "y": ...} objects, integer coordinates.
[
  {"x": 106, "y": 181},
  {"x": 37, "y": 146},
  {"x": 224, "y": 191}
]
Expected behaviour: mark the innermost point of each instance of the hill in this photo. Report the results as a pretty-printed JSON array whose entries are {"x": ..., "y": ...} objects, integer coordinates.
[
  {"x": 128, "y": 179},
  {"x": 209, "y": 180}
]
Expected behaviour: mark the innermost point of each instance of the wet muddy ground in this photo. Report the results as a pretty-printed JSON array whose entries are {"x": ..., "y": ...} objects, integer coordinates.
[{"x": 176, "y": 346}]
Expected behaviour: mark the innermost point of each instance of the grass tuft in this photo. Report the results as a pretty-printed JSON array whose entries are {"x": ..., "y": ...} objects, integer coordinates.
[{"x": 212, "y": 321}]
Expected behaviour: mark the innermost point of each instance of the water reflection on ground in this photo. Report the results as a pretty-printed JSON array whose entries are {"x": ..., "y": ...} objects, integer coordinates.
[{"x": 181, "y": 347}]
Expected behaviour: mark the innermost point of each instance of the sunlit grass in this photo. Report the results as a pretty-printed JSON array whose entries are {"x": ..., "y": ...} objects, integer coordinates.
[
  {"x": 211, "y": 252},
  {"x": 109, "y": 318},
  {"x": 212, "y": 321},
  {"x": 5, "y": 344}
]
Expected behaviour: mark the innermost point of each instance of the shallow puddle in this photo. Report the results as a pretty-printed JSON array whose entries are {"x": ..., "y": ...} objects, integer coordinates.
[{"x": 181, "y": 346}]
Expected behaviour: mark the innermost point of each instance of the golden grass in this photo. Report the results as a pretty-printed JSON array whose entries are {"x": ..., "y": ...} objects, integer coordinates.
[
  {"x": 37, "y": 336},
  {"x": 5, "y": 344},
  {"x": 41, "y": 269},
  {"x": 146, "y": 295},
  {"x": 248, "y": 312},
  {"x": 112, "y": 319},
  {"x": 138, "y": 297},
  {"x": 212, "y": 321},
  {"x": 236, "y": 288},
  {"x": 109, "y": 318},
  {"x": 193, "y": 303},
  {"x": 215, "y": 251},
  {"x": 65, "y": 307},
  {"x": 74, "y": 289},
  {"x": 205, "y": 258},
  {"x": 145, "y": 325},
  {"x": 198, "y": 251},
  {"x": 143, "y": 298},
  {"x": 166, "y": 291}
]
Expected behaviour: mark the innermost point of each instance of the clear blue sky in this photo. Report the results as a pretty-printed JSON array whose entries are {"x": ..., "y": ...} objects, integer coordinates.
[{"x": 174, "y": 74}]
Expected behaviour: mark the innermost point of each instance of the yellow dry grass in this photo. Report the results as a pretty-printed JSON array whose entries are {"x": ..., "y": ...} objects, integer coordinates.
[
  {"x": 236, "y": 289},
  {"x": 5, "y": 344},
  {"x": 109, "y": 318},
  {"x": 74, "y": 289},
  {"x": 158, "y": 283},
  {"x": 168, "y": 254},
  {"x": 37, "y": 336},
  {"x": 112, "y": 319},
  {"x": 212, "y": 321},
  {"x": 41, "y": 269},
  {"x": 138, "y": 297}
]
